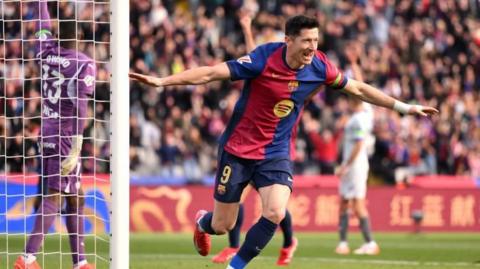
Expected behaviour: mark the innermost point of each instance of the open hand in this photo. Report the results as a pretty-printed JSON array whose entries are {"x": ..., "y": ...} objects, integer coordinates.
[
  {"x": 422, "y": 110},
  {"x": 245, "y": 20},
  {"x": 342, "y": 170},
  {"x": 149, "y": 80}
]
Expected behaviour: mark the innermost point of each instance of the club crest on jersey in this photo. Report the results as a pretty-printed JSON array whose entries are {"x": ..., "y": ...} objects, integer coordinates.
[
  {"x": 293, "y": 85},
  {"x": 244, "y": 59},
  {"x": 283, "y": 108},
  {"x": 221, "y": 189}
]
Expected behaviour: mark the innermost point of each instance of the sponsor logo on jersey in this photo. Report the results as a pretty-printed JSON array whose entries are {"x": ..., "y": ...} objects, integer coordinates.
[
  {"x": 293, "y": 85},
  {"x": 244, "y": 59},
  {"x": 48, "y": 145},
  {"x": 283, "y": 108}
]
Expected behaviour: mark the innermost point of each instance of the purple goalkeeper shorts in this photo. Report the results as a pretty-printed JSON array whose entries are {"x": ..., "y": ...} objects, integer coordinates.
[{"x": 51, "y": 173}]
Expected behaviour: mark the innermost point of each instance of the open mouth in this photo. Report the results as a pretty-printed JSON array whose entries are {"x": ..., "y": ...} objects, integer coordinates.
[{"x": 308, "y": 54}]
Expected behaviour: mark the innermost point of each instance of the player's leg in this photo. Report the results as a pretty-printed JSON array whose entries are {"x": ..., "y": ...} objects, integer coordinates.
[
  {"x": 75, "y": 221},
  {"x": 47, "y": 211},
  {"x": 44, "y": 217},
  {"x": 274, "y": 203},
  {"x": 342, "y": 247},
  {"x": 218, "y": 222},
  {"x": 234, "y": 234},
  {"x": 290, "y": 243},
  {"x": 286, "y": 228},
  {"x": 360, "y": 209},
  {"x": 232, "y": 177}
]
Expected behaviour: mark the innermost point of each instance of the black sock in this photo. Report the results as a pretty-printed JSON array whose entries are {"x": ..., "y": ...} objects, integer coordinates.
[
  {"x": 206, "y": 223},
  {"x": 257, "y": 238},
  {"x": 365, "y": 227},
  {"x": 234, "y": 234},
  {"x": 343, "y": 226},
  {"x": 286, "y": 226}
]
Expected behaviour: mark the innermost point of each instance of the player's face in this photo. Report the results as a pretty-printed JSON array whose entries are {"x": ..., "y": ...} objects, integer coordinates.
[{"x": 304, "y": 45}]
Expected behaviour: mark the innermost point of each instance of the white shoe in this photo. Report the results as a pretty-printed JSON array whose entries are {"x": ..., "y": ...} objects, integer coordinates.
[
  {"x": 342, "y": 248},
  {"x": 370, "y": 248}
]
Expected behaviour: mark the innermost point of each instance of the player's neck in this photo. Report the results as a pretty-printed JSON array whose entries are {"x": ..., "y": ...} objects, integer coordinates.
[
  {"x": 71, "y": 45},
  {"x": 292, "y": 62}
]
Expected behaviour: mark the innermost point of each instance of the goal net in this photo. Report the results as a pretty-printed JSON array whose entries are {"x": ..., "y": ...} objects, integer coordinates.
[{"x": 55, "y": 87}]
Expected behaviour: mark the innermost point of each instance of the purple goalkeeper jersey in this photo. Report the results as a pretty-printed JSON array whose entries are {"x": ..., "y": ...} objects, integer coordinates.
[
  {"x": 67, "y": 83},
  {"x": 68, "y": 80}
]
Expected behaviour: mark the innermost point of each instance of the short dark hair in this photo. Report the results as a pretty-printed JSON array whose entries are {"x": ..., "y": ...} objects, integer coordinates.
[{"x": 295, "y": 24}]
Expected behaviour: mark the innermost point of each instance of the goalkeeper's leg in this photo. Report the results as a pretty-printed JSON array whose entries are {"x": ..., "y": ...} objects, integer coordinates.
[
  {"x": 45, "y": 215},
  {"x": 75, "y": 220}
]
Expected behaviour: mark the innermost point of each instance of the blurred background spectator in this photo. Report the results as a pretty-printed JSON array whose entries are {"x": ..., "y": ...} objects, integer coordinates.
[
  {"x": 420, "y": 51},
  {"x": 20, "y": 73}
]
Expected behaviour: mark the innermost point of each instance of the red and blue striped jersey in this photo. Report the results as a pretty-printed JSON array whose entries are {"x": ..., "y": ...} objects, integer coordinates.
[{"x": 264, "y": 121}]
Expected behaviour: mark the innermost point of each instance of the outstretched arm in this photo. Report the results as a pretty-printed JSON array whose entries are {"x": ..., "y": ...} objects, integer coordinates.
[
  {"x": 374, "y": 96},
  {"x": 43, "y": 24},
  {"x": 85, "y": 88},
  {"x": 40, "y": 11},
  {"x": 194, "y": 76},
  {"x": 246, "y": 23}
]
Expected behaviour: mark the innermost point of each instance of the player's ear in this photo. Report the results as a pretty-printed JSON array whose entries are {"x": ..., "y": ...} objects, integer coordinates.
[{"x": 288, "y": 39}]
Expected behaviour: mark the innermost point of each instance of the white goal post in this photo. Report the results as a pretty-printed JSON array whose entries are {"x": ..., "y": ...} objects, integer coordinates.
[{"x": 119, "y": 132}]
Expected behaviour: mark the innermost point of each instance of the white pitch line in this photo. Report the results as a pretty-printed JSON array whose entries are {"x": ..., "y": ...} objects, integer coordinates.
[{"x": 320, "y": 259}]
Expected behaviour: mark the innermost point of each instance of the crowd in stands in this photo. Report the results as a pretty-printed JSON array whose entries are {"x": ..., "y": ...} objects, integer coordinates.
[
  {"x": 20, "y": 87},
  {"x": 420, "y": 51},
  {"x": 425, "y": 52}
]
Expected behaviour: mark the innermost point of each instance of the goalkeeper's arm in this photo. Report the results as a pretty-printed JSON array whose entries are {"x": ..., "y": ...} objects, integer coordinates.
[
  {"x": 86, "y": 84},
  {"x": 43, "y": 25}
]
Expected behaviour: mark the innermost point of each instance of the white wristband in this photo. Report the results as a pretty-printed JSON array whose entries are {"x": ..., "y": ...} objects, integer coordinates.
[{"x": 401, "y": 107}]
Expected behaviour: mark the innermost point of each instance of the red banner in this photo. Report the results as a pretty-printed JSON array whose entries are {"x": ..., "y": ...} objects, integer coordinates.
[{"x": 172, "y": 209}]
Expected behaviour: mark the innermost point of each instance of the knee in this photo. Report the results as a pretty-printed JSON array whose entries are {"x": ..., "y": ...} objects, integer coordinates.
[
  {"x": 361, "y": 211},
  {"x": 275, "y": 215},
  {"x": 343, "y": 208}
]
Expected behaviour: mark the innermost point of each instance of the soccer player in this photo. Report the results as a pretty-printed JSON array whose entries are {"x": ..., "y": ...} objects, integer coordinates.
[
  {"x": 353, "y": 171},
  {"x": 257, "y": 144},
  {"x": 353, "y": 174},
  {"x": 67, "y": 82},
  {"x": 290, "y": 243}
]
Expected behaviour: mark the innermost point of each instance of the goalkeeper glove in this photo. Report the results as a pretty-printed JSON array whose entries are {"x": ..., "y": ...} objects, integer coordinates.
[{"x": 69, "y": 163}]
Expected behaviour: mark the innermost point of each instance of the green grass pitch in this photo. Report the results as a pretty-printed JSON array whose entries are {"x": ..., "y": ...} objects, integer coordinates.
[{"x": 147, "y": 251}]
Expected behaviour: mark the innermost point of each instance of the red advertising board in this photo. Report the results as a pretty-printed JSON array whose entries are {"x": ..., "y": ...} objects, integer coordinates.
[{"x": 171, "y": 209}]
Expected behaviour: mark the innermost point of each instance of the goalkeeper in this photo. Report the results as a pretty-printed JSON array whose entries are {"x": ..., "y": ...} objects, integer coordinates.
[{"x": 67, "y": 82}]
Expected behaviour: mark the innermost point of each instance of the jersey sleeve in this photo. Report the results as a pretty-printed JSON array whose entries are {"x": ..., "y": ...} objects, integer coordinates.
[
  {"x": 43, "y": 25},
  {"x": 86, "y": 79},
  {"x": 335, "y": 79},
  {"x": 359, "y": 129},
  {"x": 248, "y": 66}
]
